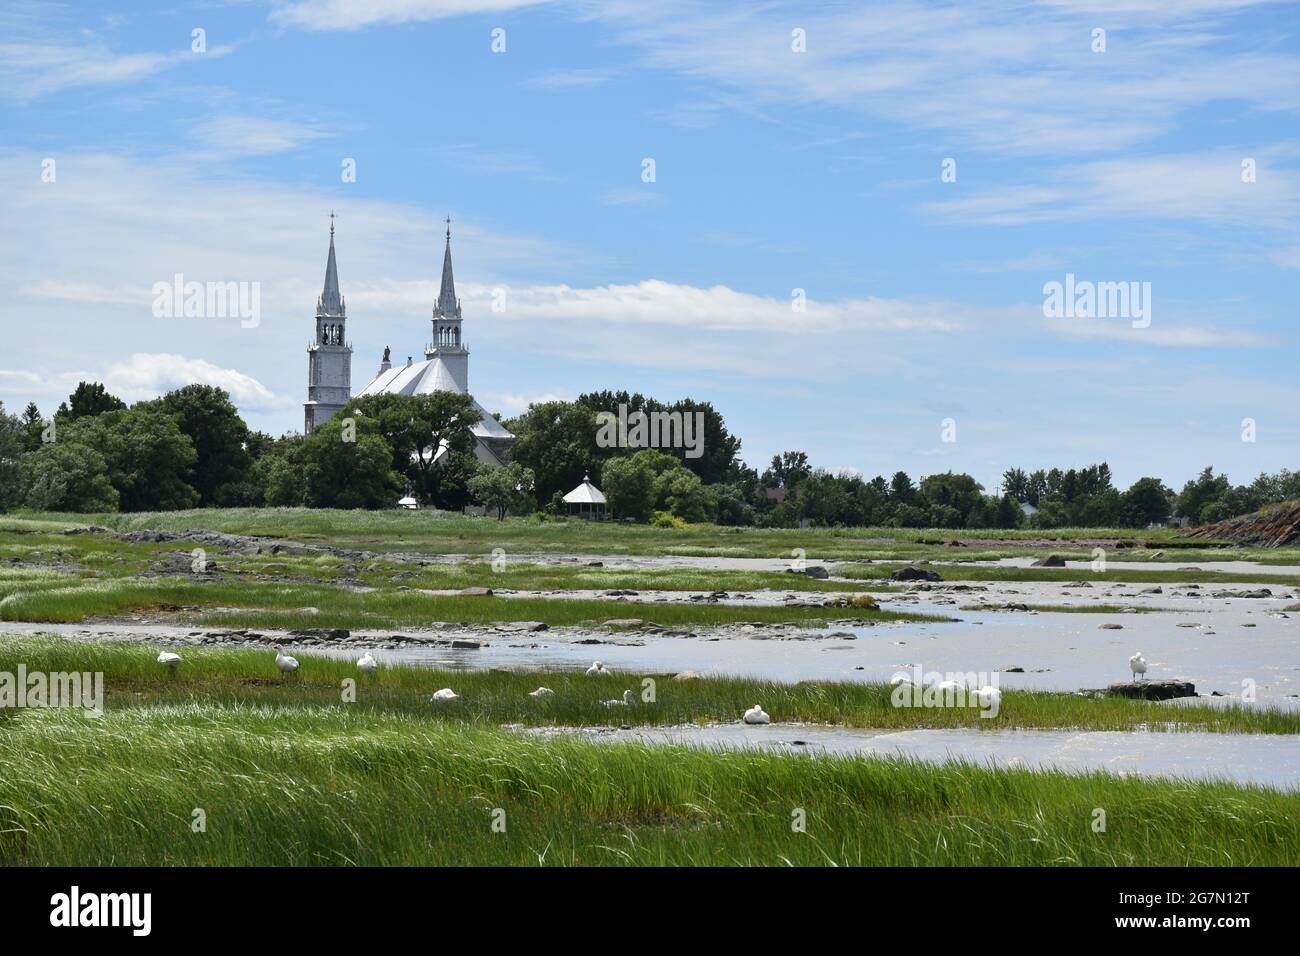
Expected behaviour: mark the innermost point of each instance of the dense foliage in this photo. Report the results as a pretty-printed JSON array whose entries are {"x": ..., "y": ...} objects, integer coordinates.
[{"x": 191, "y": 448}]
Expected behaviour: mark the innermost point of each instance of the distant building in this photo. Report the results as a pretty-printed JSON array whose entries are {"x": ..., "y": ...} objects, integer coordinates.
[
  {"x": 329, "y": 356},
  {"x": 445, "y": 368},
  {"x": 586, "y": 501}
]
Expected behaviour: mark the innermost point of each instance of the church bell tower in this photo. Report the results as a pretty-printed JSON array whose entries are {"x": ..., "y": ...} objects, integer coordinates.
[
  {"x": 329, "y": 357},
  {"x": 447, "y": 343}
]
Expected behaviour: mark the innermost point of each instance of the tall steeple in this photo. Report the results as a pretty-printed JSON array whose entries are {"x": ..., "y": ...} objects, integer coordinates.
[
  {"x": 331, "y": 303},
  {"x": 329, "y": 356},
  {"x": 448, "y": 306},
  {"x": 447, "y": 345}
]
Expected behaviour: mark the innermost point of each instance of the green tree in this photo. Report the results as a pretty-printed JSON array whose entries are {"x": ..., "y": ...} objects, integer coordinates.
[
  {"x": 504, "y": 489},
  {"x": 88, "y": 400},
  {"x": 149, "y": 459},
  {"x": 557, "y": 440},
  {"x": 1148, "y": 502},
  {"x": 11, "y": 455},
  {"x": 1197, "y": 496},
  {"x": 67, "y": 476},
  {"x": 346, "y": 463},
  {"x": 205, "y": 414}
]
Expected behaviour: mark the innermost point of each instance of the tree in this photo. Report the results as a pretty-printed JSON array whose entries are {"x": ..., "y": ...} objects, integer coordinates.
[
  {"x": 348, "y": 465},
  {"x": 557, "y": 440},
  {"x": 11, "y": 454},
  {"x": 1148, "y": 502},
  {"x": 67, "y": 476},
  {"x": 149, "y": 459},
  {"x": 630, "y": 483},
  {"x": 220, "y": 437},
  {"x": 1198, "y": 495},
  {"x": 504, "y": 489},
  {"x": 788, "y": 470},
  {"x": 89, "y": 399},
  {"x": 683, "y": 495}
]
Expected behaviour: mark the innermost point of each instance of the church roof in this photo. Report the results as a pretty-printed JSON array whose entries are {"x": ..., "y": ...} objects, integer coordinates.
[
  {"x": 424, "y": 378},
  {"x": 585, "y": 494}
]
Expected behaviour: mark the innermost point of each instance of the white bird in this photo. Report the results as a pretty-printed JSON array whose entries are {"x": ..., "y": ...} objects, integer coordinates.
[
  {"x": 951, "y": 686},
  {"x": 989, "y": 696},
  {"x": 1137, "y": 664},
  {"x": 445, "y": 694},
  {"x": 541, "y": 692},
  {"x": 286, "y": 663},
  {"x": 367, "y": 664},
  {"x": 168, "y": 659},
  {"x": 898, "y": 679},
  {"x": 755, "y": 715},
  {"x": 597, "y": 669},
  {"x": 625, "y": 702}
]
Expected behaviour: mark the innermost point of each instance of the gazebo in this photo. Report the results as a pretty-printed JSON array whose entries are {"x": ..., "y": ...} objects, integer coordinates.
[{"x": 586, "y": 501}]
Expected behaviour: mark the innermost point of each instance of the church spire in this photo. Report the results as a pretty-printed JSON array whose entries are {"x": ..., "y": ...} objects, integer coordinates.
[
  {"x": 447, "y": 305},
  {"x": 331, "y": 303}
]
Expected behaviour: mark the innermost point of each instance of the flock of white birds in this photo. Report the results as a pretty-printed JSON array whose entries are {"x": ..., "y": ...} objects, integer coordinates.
[{"x": 988, "y": 696}]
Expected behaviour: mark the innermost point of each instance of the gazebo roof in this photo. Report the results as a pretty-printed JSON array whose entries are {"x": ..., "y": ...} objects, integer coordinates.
[{"x": 585, "y": 494}]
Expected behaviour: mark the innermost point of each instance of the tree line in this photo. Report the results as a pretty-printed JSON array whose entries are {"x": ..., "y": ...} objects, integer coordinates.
[{"x": 191, "y": 448}]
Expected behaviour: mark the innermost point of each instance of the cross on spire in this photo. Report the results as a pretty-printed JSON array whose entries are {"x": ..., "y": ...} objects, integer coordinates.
[
  {"x": 331, "y": 223},
  {"x": 448, "y": 221}
]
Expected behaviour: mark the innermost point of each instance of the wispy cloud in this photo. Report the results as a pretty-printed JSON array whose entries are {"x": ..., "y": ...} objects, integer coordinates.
[
  {"x": 236, "y": 135},
  {"x": 356, "y": 14}
]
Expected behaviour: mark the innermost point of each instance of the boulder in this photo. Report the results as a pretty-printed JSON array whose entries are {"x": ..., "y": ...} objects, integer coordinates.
[
  {"x": 1051, "y": 561},
  {"x": 1152, "y": 689},
  {"x": 913, "y": 573},
  {"x": 475, "y": 592}
]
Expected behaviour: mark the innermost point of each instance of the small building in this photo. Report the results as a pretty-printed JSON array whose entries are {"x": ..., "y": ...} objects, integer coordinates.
[
  {"x": 409, "y": 503},
  {"x": 586, "y": 501}
]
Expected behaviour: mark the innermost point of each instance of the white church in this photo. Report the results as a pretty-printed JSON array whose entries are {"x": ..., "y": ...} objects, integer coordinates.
[{"x": 445, "y": 366}]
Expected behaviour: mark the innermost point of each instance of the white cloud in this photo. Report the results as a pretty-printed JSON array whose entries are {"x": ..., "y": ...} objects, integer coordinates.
[
  {"x": 355, "y": 14},
  {"x": 233, "y": 135},
  {"x": 144, "y": 375},
  {"x": 33, "y": 69}
]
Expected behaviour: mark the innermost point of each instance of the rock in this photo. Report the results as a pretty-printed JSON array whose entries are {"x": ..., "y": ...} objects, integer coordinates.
[
  {"x": 1155, "y": 590},
  {"x": 624, "y": 622},
  {"x": 595, "y": 564},
  {"x": 1152, "y": 689},
  {"x": 812, "y": 571},
  {"x": 1051, "y": 561},
  {"x": 1259, "y": 593},
  {"x": 913, "y": 573},
  {"x": 1013, "y": 669},
  {"x": 1111, "y": 626},
  {"x": 475, "y": 592},
  {"x": 527, "y": 626},
  {"x": 466, "y": 645},
  {"x": 322, "y": 633}
]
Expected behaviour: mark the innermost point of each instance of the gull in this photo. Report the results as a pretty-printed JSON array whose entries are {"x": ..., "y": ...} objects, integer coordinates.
[
  {"x": 597, "y": 669},
  {"x": 899, "y": 678},
  {"x": 541, "y": 692},
  {"x": 286, "y": 663},
  {"x": 169, "y": 659},
  {"x": 367, "y": 664},
  {"x": 445, "y": 694},
  {"x": 755, "y": 715},
  {"x": 626, "y": 701},
  {"x": 1137, "y": 664},
  {"x": 989, "y": 696},
  {"x": 951, "y": 685}
]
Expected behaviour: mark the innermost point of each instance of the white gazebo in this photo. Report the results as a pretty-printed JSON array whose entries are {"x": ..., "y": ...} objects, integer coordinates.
[{"x": 586, "y": 501}]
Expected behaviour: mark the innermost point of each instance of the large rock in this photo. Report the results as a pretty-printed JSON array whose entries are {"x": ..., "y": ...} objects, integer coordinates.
[
  {"x": 1051, "y": 561},
  {"x": 1152, "y": 689},
  {"x": 475, "y": 592},
  {"x": 912, "y": 573},
  {"x": 812, "y": 571}
]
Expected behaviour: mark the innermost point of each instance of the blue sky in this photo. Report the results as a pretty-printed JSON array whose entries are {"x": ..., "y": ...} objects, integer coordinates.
[{"x": 775, "y": 171}]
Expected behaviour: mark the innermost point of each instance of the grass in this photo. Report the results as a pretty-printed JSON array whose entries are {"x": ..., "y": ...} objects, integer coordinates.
[
  {"x": 240, "y": 678},
  {"x": 293, "y": 605},
  {"x": 282, "y": 776}
]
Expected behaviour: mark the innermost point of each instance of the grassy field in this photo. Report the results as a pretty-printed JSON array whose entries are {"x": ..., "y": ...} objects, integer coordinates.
[{"x": 280, "y": 771}]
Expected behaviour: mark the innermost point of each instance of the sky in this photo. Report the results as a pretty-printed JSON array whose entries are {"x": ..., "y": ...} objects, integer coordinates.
[{"x": 835, "y": 222}]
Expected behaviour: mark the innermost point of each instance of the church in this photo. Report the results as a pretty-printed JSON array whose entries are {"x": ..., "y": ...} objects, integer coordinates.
[{"x": 445, "y": 366}]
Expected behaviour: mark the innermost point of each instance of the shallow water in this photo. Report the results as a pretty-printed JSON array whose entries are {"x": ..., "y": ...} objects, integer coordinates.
[{"x": 1263, "y": 759}]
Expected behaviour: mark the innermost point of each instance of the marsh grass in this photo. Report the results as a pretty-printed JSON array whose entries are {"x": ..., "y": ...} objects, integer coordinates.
[{"x": 286, "y": 774}]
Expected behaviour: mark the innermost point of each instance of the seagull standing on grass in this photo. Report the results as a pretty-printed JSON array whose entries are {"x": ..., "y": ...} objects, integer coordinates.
[
  {"x": 367, "y": 664},
  {"x": 445, "y": 694},
  {"x": 541, "y": 692},
  {"x": 286, "y": 663},
  {"x": 625, "y": 702},
  {"x": 755, "y": 715},
  {"x": 597, "y": 669},
  {"x": 168, "y": 659},
  {"x": 1138, "y": 665}
]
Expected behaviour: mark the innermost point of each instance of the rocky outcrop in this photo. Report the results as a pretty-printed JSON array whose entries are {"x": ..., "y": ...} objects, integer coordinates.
[
  {"x": 1277, "y": 526},
  {"x": 911, "y": 573},
  {"x": 1152, "y": 689},
  {"x": 1051, "y": 561}
]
